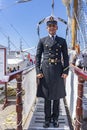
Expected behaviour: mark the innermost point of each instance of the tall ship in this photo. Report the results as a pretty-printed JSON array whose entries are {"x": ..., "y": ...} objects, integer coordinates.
[{"x": 29, "y": 113}]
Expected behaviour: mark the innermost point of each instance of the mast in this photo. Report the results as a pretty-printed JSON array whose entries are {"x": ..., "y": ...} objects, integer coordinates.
[
  {"x": 9, "y": 45},
  {"x": 74, "y": 23},
  {"x": 20, "y": 44}
]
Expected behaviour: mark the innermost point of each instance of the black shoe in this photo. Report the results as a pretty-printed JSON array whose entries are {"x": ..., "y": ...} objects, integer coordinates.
[
  {"x": 55, "y": 123},
  {"x": 46, "y": 124}
]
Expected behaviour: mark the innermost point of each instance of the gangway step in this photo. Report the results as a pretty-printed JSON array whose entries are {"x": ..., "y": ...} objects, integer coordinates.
[{"x": 38, "y": 117}]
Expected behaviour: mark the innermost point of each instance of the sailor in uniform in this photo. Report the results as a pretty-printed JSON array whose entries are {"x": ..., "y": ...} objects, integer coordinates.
[{"x": 52, "y": 65}]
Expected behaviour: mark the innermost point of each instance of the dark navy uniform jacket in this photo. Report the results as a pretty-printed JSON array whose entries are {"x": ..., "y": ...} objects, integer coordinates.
[{"x": 51, "y": 60}]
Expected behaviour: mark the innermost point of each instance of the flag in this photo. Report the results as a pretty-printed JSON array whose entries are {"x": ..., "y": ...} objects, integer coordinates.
[
  {"x": 28, "y": 56},
  {"x": 22, "y": 1},
  {"x": 62, "y": 20},
  {"x": 53, "y": 4}
]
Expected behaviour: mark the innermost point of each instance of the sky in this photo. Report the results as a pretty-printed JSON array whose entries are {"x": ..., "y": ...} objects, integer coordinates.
[{"x": 19, "y": 21}]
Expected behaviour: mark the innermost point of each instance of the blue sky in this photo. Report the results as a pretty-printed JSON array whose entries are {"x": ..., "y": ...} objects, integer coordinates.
[{"x": 19, "y": 21}]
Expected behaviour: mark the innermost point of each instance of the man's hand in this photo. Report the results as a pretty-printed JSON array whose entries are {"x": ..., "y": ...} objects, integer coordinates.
[
  {"x": 64, "y": 76},
  {"x": 39, "y": 76}
]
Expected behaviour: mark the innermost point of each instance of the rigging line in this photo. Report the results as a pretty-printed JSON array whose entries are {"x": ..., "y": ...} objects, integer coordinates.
[
  {"x": 22, "y": 1},
  {"x": 53, "y": 7},
  {"x": 19, "y": 34},
  {"x": 38, "y": 27},
  {"x": 79, "y": 27},
  {"x": 14, "y": 29},
  {"x": 10, "y": 40},
  {"x": 62, "y": 20}
]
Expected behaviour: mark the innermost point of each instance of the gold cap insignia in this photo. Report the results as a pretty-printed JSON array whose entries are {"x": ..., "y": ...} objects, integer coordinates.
[{"x": 51, "y": 19}]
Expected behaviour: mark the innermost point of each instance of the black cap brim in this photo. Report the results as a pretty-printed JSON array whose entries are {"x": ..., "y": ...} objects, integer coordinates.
[{"x": 51, "y": 22}]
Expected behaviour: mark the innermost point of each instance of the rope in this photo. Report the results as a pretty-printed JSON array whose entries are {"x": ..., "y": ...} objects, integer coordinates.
[
  {"x": 75, "y": 125},
  {"x": 19, "y": 123},
  {"x": 80, "y": 83},
  {"x": 19, "y": 82},
  {"x": 79, "y": 98},
  {"x": 62, "y": 20},
  {"x": 19, "y": 93},
  {"x": 78, "y": 122},
  {"x": 38, "y": 27},
  {"x": 79, "y": 27}
]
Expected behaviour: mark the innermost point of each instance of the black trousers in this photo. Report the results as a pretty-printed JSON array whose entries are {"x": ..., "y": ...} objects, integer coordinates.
[{"x": 51, "y": 111}]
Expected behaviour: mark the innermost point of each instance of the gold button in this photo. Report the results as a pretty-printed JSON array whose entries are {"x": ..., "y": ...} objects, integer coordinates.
[
  {"x": 56, "y": 49},
  {"x": 52, "y": 60},
  {"x": 56, "y": 53},
  {"x": 46, "y": 45}
]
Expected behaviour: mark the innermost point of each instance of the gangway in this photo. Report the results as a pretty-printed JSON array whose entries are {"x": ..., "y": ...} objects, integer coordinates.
[
  {"x": 37, "y": 120},
  {"x": 38, "y": 117}
]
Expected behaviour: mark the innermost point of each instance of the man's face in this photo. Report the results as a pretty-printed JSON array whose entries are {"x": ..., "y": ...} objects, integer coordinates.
[{"x": 52, "y": 28}]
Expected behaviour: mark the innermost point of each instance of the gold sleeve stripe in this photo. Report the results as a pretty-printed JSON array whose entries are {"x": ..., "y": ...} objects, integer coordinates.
[{"x": 65, "y": 68}]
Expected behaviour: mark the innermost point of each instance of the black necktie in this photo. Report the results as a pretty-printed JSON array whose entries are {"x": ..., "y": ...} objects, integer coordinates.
[{"x": 53, "y": 38}]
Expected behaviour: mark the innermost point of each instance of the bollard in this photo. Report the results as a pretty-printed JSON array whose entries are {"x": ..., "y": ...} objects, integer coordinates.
[
  {"x": 79, "y": 104},
  {"x": 19, "y": 102}
]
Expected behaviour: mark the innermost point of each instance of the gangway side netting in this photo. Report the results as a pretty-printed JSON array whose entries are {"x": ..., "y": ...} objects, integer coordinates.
[{"x": 82, "y": 19}]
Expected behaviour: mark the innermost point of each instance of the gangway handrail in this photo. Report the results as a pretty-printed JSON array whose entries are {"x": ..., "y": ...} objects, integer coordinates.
[
  {"x": 82, "y": 77},
  {"x": 79, "y": 72},
  {"x": 14, "y": 74},
  {"x": 18, "y": 76}
]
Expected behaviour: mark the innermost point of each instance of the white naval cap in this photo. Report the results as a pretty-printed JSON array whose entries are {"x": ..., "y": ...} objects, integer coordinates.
[{"x": 51, "y": 20}]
